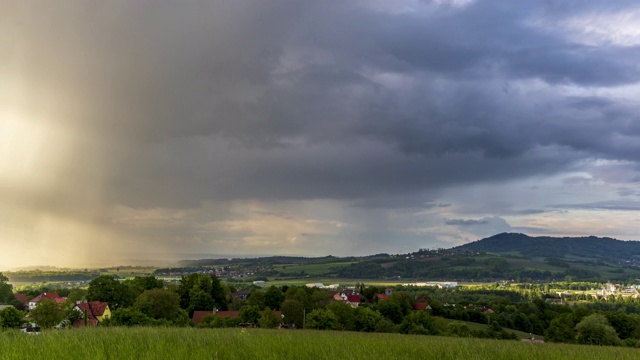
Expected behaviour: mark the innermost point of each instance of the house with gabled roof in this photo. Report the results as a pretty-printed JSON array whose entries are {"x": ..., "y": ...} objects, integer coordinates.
[
  {"x": 96, "y": 311},
  {"x": 22, "y": 298},
  {"x": 354, "y": 300},
  {"x": 47, "y": 295}
]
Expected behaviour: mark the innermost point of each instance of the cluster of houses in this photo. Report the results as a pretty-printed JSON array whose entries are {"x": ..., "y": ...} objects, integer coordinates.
[
  {"x": 617, "y": 290},
  {"x": 608, "y": 290},
  {"x": 347, "y": 296},
  {"x": 90, "y": 313}
]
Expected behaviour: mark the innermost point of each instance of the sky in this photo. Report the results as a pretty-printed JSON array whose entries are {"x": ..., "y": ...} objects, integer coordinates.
[{"x": 152, "y": 129}]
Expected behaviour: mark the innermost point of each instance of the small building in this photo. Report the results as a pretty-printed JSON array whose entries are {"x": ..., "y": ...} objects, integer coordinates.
[
  {"x": 96, "y": 311},
  {"x": 51, "y": 295},
  {"x": 241, "y": 294}
]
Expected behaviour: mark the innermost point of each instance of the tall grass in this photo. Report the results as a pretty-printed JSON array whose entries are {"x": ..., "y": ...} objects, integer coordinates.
[{"x": 173, "y": 343}]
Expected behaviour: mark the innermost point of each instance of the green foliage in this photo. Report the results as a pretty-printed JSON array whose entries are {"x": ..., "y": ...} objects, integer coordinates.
[
  {"x": 139, "y": 284},
  {"x": 273, "y": 298},
  {"x": 249, "y": 314},
  {"x": 215, "y": 321},
  {"x": 391, "y": 311},
  {"x": 257, "y": 298},
  {"x": 75, "y": 295},
  {"x": 345, "y": 314},
  {"x": 626, "y": 326},
  {"x": 212, "y": 321},
  {"x": 11, "y": 317},
  {"x": 293, "y": 311},
  {"x": 322, "y": 319},
  {"x": 129, "y": 317},
  {"x": 47, "y": 313},
  {"x": 269, "y": 319},
  {"x": 458, "y": 329},
  {"x": 199, "y": 300},
  {"x": 419, "y": 322},
  {"x": 561, "y": 329},
  {"x": 159, "y": 304},
  {"x": 367, "y": 319},
  {"x": 6, "y": 290},
  {"x": 201, "y": 292},
  {"x": 595, "y": 330},
  {"x": 107, "y": 289}
]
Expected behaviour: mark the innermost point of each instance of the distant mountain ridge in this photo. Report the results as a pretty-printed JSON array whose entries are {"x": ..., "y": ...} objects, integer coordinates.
[{"x": 593, "y": 247}]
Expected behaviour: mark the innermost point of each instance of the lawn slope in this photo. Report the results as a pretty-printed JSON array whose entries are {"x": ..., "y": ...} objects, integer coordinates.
[{"x": 166, "y": 343}]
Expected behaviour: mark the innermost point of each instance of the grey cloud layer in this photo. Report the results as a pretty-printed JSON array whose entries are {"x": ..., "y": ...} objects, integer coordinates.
[{"x": 184, "y": 102}]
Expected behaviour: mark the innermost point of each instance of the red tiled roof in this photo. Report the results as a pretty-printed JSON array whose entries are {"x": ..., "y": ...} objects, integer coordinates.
[
  {"x": 353, "y": 298},
  {"x": 232, "y": 313},
  {"x": 198, "y": 315},
  {"x": 382, "y": 296},
  {"x": 21, "y": 297},
  {"x": 420, "y": 305},
  {"x": 93, "y": 308},
  {"x": 51, "y": 295},
  {"x": 60, "y": 300}
]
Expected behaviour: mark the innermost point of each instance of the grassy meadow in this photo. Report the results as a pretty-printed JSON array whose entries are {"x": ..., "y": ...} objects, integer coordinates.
[{"x": 173, "y": 343}]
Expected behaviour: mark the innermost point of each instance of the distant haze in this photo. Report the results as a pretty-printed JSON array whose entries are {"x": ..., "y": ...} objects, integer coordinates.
[{"x": 312, "y": 127}]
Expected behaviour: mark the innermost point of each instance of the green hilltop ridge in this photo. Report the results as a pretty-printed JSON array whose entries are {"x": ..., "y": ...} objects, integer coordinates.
[{"x": 589, "y": 247}]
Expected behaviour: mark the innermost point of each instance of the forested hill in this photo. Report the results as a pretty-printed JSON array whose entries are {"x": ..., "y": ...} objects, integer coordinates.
[{"x": 565, "y": 247}]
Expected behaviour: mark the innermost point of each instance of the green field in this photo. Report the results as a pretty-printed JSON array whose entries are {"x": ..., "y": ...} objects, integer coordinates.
[
  {"x": 310, "y": 269},
  {"x": 329, "y": 281},
  {"x": 484, "y": 327},
  {"x": 167, "y": 343}
]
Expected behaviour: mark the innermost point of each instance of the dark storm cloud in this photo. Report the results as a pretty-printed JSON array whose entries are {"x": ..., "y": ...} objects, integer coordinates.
[{"x": 293, "y": 100}]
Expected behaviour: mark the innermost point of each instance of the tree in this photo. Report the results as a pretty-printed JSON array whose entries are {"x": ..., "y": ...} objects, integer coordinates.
[
  {"x": 458, "y": 329},
  {"x": 249, "y": 314},
  {"x": 11, "y": 317},
  {"x": 273, "y": 298},
  {"x": 391, "y": 310},
  {"x": 212, "y": 321},
  {"x": 367, "y": 319},
  {"x": 320, "y": 298},
  {"x": 561, "y": 330},
  {"x": 75, "y": 295},
  {"x": 6, "y": 290},
  {"x": 47, "y": 313},
  {"x": 624, "y": 325},
  {"x": 107, "y": 289},
  {"x": 269, "y": 319},
  {"x": 129, "y": 317},
  {"x": 293, "y": 311},
  {"x": 345, "y": 314},
  {"x": 595, "y": 330},
  {"x": 322, "y": 319},
  {"x": 159, "y": 304},
  {"x": 199, "y": 300},
  {"x": 257, "y": 298},
  {"x": 192, "y": 284},
  {"x": 419, "y": 322},
  {"x": 141, "y": 283},
  {"x": 218, "y": 293}
]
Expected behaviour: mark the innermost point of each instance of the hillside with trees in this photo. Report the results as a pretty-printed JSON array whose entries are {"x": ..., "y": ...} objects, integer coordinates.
[{"x": 591, "y": 247}]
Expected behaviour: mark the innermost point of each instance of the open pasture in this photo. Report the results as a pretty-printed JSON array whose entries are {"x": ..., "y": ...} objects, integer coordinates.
[{"x": 187, "y": 343}]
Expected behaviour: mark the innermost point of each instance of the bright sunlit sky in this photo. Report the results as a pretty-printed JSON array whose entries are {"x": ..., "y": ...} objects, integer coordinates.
[{"x": 171, "y": 129}]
